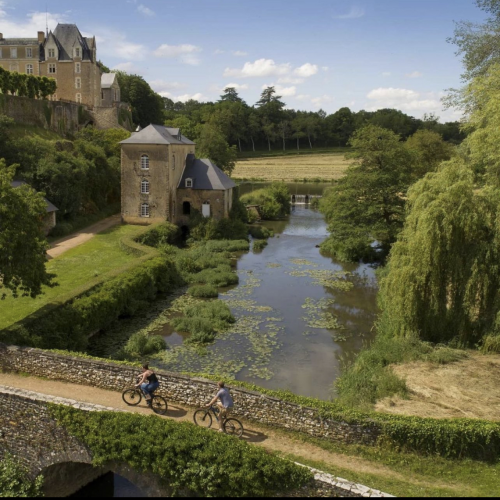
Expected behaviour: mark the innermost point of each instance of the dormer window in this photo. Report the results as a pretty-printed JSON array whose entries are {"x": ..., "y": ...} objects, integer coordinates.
[
  {"x": 189, "y": 183},
  {"x": 52, "y": 52},
  {"x": 145, "y": 162},
  {"x": 77, "y": 52}
]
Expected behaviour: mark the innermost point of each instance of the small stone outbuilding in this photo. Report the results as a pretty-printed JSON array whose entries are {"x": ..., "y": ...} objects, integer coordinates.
[
  {"x": 162, "y": 180},
  {"x": 49, "y": 221}
]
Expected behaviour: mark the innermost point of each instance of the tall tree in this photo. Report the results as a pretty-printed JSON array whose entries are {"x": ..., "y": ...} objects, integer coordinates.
[
  {"x": 213, "y": 145},
  {"x": 270, "y": 110},
  {"x": 22, "y": 242},
  {"x": 367, "y": 204},
  {"x": 230, "y": 95}
]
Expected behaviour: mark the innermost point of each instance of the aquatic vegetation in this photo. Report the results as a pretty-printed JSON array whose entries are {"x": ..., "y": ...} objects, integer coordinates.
[
  {"x": 272, "y": 264},
  {"x": 203, "y": 291},
  {"x": 259, "y": 244},
  {"x": 303, "y": 262},
  {"x": 323, "y": 277},
  {"x": 317, "y": 317}
]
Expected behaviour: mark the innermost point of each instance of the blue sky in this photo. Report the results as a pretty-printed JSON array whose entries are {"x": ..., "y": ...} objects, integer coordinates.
[{"x": 366, "y": 54}]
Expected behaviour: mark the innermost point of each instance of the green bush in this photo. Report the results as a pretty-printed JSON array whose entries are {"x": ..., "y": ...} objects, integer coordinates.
[
  {"x": 140, "y": 345},
  {"x": 491, "y": 344},
  {"x": 165, "y": 233},
  {"x": 260, "y": 232},
  {"x": 203, "y": 291},
  {"x": 220, "y": 276},
  {"x": 259, "y": 244},
  {"x": 273, "y": 201},
  {"x": 15, "y": 482},
  {"x": 185, "y": 456},
  {"x": 61, "y": 229},
  {"x": 203, "y": 321}
]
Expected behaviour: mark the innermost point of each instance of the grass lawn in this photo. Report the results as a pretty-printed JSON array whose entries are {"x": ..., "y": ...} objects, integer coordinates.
[
  {"x": 73, "y": 269},
  {"x": 325, "y": 166}
]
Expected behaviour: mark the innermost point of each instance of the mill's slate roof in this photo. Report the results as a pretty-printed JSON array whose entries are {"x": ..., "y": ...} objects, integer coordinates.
[
  {"x": 157, "y": 134},
  {"x": 50, "y": 207},
  {"x": 205, "y": 175},
  {"x": 68, "y": 36},
  {"x": 107, "y": 80}
]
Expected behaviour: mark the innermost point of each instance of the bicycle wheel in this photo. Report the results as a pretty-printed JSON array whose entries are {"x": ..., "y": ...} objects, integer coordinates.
[
  {"x": 202, "y": 418},
  {"x": 132, "y": 397},
  {"x": 233, "y": 427},
  {"x": 159, "y": 405}
]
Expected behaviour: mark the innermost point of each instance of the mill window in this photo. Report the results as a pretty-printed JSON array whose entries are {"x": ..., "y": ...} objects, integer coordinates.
[
  {"x": 145, "y": 162},
  {"x": 144, "y": 210},
  {"x": 189, "y": 183},
  {"x": 145, "y": 186}
]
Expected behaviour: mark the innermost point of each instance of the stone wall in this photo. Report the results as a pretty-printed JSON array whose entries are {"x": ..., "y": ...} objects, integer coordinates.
[
  {"x": 109, "y": 117},
  {"x": 28, "y": 431},
  {"x": 61, "y": 117},
  {"x": 184, "y": 390}
]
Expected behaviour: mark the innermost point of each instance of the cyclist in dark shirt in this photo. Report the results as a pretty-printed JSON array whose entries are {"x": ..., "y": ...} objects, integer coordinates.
[{"x": 148, "y": 383}]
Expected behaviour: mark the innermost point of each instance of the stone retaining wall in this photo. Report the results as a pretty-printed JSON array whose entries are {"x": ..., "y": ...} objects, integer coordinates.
[
  {"x": 184, "y": 390},
  {"x": 28, "y": 431}
]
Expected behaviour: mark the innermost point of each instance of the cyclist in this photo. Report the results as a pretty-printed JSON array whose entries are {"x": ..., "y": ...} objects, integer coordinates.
[
  {"x": 225, "y": 403},
  {"x": 148, "y": 383}
]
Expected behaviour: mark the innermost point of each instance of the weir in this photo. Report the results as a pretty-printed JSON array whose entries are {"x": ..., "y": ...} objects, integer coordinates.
[{"x": 303, "y": 199}]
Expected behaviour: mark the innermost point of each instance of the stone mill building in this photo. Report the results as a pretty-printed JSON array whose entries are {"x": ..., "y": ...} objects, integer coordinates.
[{"x": 161, "y": 180}]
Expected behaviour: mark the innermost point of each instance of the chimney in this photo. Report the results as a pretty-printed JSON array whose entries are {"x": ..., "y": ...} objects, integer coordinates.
[
  {"x": 41, "y": 37},
  {"x": 1, "y": 36}
]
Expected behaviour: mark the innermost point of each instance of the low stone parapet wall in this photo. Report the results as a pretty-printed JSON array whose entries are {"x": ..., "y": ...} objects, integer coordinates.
[{"x": 184, "y": 390}]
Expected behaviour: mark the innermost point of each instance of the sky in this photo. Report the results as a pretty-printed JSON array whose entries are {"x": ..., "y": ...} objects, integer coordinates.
[{"x": 318, "y": 54}]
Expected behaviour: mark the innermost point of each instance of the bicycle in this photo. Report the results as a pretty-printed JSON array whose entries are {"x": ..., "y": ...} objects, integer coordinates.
[
  {"x": 203, "y": 418},
  {"x": 133, "y": 396}
]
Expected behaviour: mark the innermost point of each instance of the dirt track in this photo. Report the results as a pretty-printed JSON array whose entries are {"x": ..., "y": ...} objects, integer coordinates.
[{"x": 60, "y": 246}]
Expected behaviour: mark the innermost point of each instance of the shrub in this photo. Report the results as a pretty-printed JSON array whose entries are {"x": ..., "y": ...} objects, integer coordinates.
[
  {"x": 259, "y": 244},
  {"x": 491, "y": 343},
  {"x": 274, "y": 200},
  {"x": 183, "y": 455},
  {"x": 141, "y": 344},
  {"x": 203, "y": 291},
  {"x": 260, "y": 232},
  {"x": 61, "y": 229},
  {"x": 220, "y": 276},
  {"x": 14, "y": 479},
  {"x": 162, "y": 234}
]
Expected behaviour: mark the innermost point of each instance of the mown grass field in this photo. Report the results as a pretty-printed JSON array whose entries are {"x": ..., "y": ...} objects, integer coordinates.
[
  {"x": 290, "y": 168},
  {"x": 74, "y": 268}
]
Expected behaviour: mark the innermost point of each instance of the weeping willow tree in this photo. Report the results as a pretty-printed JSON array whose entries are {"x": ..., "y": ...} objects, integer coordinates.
[{"x": 443, "y": 277}]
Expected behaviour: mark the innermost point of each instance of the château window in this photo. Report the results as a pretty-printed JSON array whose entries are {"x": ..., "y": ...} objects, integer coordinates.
[
  {"x": 77, "y": 52},
  {"x": 78, "y": 83},
  {"x": 145, "y": 186},
  {"x": 29, "y": 52},
  {"x": 52, "y": 68},
  {"x": 29, "y": 69},
  {"x": 13, "y": 53},
  {"x": 145, "y": 162},
  {"x": 173, "y": 162},
  {"x": 1, "y": 55},
  {"x": 52, "y": 52},
  {"x": 78, "y": 68},
  {"x": 144, "y": 210},
  {"x": 189, "y": 183},
  {"x": 79, "y": 98}
]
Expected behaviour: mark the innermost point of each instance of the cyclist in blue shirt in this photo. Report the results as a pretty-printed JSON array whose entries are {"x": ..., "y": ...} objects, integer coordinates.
[{"x": 225, "y": 403}]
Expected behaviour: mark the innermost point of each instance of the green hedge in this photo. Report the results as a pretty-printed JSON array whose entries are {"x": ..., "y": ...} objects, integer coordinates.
[
  {"x": 185, "y": 456},
  {"x": 69, "y": 325}
]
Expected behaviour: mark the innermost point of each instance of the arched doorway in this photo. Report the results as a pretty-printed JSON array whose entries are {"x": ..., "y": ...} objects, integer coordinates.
[{"x": 186, "y": 208}]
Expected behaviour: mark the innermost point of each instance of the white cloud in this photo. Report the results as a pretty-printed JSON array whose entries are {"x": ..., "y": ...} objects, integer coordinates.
[
  {"x": 162, "y": 86},
  {"x": 319, "y": 102},
  {"x": 115, "y": 44},
  {"x": 145, "y": 11},
  {"x": 354, "y": 13},
  {"x": 290, "y": 80},
  {"x": 414, "y": 74},
  {"x": 406, "y": 100},
  {"x": 185, "y": 53},
  {"x": 128, "y": 67},
  {"x": 197, "y": 97},
  {"x": 237, "y": 86},
  {"x": 282, "y": 91},
  {"x": 29, "y": 25},
  {"x": 306, "y": 70},
  {"x": 239, "y": 53},
  {"x": 259, "y": 68}
]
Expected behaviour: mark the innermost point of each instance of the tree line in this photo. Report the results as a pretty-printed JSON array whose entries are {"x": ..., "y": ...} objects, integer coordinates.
[{"x": 34, "y": 87}]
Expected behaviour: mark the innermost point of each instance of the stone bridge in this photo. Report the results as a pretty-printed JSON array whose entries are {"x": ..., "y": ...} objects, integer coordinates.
[{"x": 28, "y": 431}]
